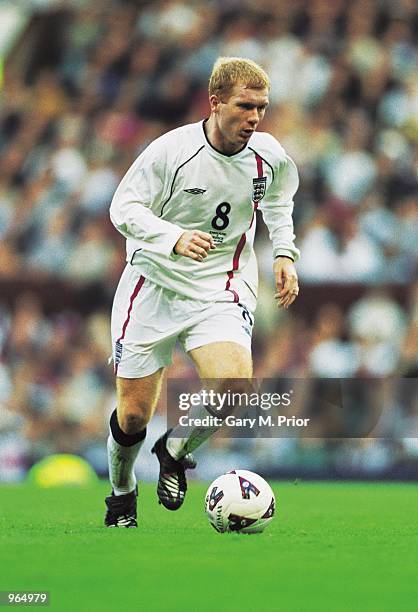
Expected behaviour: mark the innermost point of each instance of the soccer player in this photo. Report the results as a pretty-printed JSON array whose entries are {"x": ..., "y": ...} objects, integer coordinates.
[{"x": 187, "y": 209}]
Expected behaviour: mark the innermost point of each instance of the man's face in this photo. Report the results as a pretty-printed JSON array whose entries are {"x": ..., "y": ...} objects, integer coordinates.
[{"x": 238, "y": 115}]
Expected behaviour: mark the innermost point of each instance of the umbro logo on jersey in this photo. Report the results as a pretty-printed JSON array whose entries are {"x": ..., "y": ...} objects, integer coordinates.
[{"x": 195, "y": 190}]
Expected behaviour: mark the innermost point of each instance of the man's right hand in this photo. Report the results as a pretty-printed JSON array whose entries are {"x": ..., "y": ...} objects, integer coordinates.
[{"x": 194, "y": 244}]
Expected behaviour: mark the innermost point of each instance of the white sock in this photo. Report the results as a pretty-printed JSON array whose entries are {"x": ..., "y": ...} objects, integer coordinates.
[
  {"x": 181, "y": 441},
  {"x": 121, "y": 461}
]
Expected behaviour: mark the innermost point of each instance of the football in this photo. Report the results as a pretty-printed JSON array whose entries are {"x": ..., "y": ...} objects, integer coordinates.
[{"x": 240, "y": 501}]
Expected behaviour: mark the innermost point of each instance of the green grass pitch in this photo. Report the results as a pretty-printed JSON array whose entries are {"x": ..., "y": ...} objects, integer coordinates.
[{"x": 331, "y": 547}]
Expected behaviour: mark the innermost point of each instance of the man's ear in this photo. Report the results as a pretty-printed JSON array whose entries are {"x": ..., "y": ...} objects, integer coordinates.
[{"x": 214, "y": 102}]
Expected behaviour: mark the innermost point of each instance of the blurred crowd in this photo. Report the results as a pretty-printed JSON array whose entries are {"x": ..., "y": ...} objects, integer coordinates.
[{"x": 92, "y": 83}]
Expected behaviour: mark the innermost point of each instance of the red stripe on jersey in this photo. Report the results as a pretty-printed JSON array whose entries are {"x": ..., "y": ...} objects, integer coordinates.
[
  {"x": 228, "y": 283},
  {"x": 243, "y": 239},
  {"x": 128, "y": 316},
  {"x": 238, "y": 251},
  {"x": 259, "y": 165},
  {"x": 235, "y": 264}
]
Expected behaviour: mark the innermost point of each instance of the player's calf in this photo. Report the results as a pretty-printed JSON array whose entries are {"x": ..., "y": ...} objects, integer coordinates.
[{"x": 122, "y": 450}]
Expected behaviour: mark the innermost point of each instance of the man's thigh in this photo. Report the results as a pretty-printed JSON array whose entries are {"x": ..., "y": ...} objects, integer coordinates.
[
  {"x": 218, "y": 360},
  {"x": 220, "y": 343},
  {"x": 224, "y": 367},
  {"x": 138, "y": 395}
]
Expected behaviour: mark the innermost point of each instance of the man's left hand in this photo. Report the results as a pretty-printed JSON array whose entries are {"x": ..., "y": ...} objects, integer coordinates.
[{"x": 287, "y": 287}]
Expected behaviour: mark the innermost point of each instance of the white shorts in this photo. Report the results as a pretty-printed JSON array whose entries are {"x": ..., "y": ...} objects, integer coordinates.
[{"x": 147, "y": 320}]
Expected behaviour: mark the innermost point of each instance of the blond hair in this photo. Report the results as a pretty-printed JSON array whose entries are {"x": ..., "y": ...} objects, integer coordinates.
[{"x": 228, "y": 71}]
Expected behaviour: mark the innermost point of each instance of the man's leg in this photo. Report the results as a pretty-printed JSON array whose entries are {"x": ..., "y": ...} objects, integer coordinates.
[
  {"x": 226, "y": 362},
  {"x": 136, "y": 402}
]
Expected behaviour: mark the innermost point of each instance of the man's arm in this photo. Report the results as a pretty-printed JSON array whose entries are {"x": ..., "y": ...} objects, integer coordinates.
[
  {"x": 277, "y": 208},
  {"x": 131, "y": 211}
]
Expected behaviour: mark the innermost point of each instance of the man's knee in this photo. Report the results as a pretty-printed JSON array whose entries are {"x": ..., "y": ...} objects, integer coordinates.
[
  {"x": 133, "y": 418},
  {"x": 134, "y": 411}
]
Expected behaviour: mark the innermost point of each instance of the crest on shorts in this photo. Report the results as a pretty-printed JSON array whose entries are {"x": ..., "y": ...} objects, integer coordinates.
[
  {"x": 118, "y": 352},
  {"x": 259, "y": 188}
]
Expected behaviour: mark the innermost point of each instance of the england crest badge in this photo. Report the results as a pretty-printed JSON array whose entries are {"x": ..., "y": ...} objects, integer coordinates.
[{"x": 259, "y": 188}]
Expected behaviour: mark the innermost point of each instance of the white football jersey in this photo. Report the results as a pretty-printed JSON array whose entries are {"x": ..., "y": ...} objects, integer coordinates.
[{"x": 180, "y": 182}]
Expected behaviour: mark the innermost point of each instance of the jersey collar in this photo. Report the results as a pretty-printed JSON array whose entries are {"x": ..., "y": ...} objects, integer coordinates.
[{"x": 217, "y": 153}]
